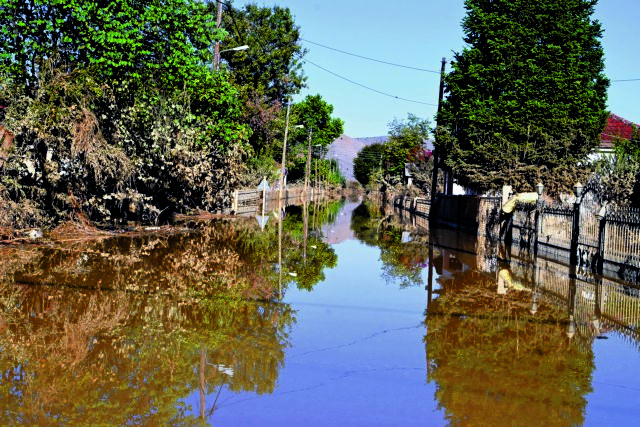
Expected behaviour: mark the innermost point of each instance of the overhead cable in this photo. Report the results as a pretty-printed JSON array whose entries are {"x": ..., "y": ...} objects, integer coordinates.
[
  {"x": 371, "y": 59},
  {"x": 625, "y": 80},
  {"x": 370, "y": 88}
]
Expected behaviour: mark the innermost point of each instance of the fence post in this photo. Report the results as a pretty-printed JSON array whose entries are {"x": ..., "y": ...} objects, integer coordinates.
[
  {"x": 575, "y": 228},
  {"x": 602, "y": 230},
  {"x": 235, "y": 201}
]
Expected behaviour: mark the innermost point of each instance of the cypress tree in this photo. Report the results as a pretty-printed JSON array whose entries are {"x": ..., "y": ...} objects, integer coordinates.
[{"x": 526, "y": 97}]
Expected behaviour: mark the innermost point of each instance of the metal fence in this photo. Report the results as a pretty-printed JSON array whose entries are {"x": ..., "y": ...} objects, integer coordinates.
[
  {"x": 248, "y": 201},
  {"x": 588, "y": 234}
]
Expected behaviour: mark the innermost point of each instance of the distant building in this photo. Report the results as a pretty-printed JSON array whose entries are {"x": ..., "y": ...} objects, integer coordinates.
[{"x": 617, "y": 127}]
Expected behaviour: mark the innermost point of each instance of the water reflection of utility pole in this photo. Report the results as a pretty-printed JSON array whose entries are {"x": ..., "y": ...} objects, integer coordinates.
[
  {"x": 280, "y": 247},
  {"x": 305, "y": 215},
  {"x": 430, "y": 275},
  {"x": 203, "y": 384}
]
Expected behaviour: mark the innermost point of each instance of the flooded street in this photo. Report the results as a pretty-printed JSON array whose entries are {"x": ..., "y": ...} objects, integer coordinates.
[{"x": 365, "y": 320}]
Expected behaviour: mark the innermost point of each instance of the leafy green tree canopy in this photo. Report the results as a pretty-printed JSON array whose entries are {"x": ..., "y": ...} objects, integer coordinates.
[
  {"x": 526, "y": 98},
  {"x": 314, "y": 113},
  {"x": 406, "y": 144},
  {"x": 368, "y": 160},
  {"x": 161, "y": 41},
  {"x": 271, "y": 68}
]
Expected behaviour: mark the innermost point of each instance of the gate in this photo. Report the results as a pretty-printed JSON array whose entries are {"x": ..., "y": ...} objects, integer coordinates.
[{"x": 589, "y": 246}]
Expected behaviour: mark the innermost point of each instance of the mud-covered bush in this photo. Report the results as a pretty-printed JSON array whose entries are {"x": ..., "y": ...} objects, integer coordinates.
[
  {"x": 59, "y": 151},
  {"x": 81, "y": 147}
]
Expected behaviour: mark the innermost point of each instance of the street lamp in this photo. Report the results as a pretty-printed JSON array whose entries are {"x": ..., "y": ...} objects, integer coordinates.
[
  {"x": 216, "y": 58},
  {"x": 577, "y": 190},
  {"x": 243, "y": 47}
]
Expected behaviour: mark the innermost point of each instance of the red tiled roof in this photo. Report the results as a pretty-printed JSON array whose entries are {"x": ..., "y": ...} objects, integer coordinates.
[{"x": 617, "y": 127}]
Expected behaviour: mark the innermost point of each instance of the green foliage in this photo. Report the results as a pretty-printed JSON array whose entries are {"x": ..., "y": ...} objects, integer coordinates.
[
  {"x": 271, "y": 69},
  {"x": 269, "y": 73},
  {"x": 314, "y": 113},
  {"x": 115, "y": 110},
  {"x": 319, "y": 130},
  {"x": 368, "y": 160},
  {"x": 80, "y": 146},
  {"x": 163, "y": 42},
  {"x": 405, "y": 145},
  {"x": 385, "y": 163},
  {"x": 526, "y": 97}
]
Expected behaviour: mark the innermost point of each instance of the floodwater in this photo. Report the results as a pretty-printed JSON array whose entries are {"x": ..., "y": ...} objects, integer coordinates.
[{"x": 346, "y": 315}]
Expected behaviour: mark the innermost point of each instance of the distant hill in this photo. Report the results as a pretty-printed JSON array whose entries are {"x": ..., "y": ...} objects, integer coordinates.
[{"x": 345, "y": 148}]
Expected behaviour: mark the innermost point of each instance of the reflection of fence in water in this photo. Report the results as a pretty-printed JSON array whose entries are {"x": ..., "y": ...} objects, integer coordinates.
[
  {"x": 620, "y": 303},
  {"x": 598, "y": 303}
]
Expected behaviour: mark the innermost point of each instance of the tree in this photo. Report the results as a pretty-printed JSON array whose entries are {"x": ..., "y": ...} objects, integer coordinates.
[
  {"x": 270, "y": 72},
  {"x": 386, "y": 162},
  {"x": 117, "y": 107},
  {"x": 406, "y": 145},
  {"x": 132, "y": 43},
  {"x": 368, "y": 160},
  {"x": 272, "y": 66},
  {"x": 314, "y": 113},
  {"x": 526, "y": 97}
]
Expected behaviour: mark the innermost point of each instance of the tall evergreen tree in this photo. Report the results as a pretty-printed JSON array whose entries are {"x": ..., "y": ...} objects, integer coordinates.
[{"x": 526, "y": 98}]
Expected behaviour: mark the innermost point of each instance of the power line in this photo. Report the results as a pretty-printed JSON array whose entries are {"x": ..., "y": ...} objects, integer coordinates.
[
  {"x": 369, "y": 88},
  {"x": 625, "y": 80},
  {"x": 371, "y": 59}
]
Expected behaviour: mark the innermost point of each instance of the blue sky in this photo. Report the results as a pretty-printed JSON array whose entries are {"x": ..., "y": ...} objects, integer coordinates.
[{"x": 419, "y": 33}]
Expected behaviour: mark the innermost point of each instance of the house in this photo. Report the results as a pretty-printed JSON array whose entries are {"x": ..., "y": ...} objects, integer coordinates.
[{"x": 617, "y": 127}]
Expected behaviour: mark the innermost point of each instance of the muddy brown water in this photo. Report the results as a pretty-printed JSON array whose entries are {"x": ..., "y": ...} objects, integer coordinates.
[{"x": 361, "y": 320}]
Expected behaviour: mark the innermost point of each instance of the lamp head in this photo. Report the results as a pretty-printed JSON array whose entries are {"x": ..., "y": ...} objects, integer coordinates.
[
  {"x": 577, "y": 189},
  {"x": 539, "y": 188}
]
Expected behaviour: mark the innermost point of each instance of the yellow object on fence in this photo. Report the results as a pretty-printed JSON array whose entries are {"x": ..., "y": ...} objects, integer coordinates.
[{"x": 519, "y": 198}]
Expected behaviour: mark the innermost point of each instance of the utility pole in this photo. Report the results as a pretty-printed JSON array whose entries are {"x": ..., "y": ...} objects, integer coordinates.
[
  {"x": 216, "y": 55},
  {"x": 308, "y": 169},
  {"x": 436, "y": 160},
  {"x": 284, "y": 150}
]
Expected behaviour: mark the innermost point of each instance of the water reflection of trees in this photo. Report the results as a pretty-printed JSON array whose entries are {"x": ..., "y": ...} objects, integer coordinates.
[
  {"x": 127, "y": 330},
  {"x": 234, "y": 258},
  {"x": 95, "y": 357},
  {"x": 403, "y": 261},
  {"x": 306, "y": 255},
  {"x": 495, "y": 362}
]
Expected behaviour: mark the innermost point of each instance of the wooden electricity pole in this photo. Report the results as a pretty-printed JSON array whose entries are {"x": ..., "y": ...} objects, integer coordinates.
[
  {"x": 308, "y": 168},
  {"x": 436, "y": 160},
  {"x": 216, "y": 55}
]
